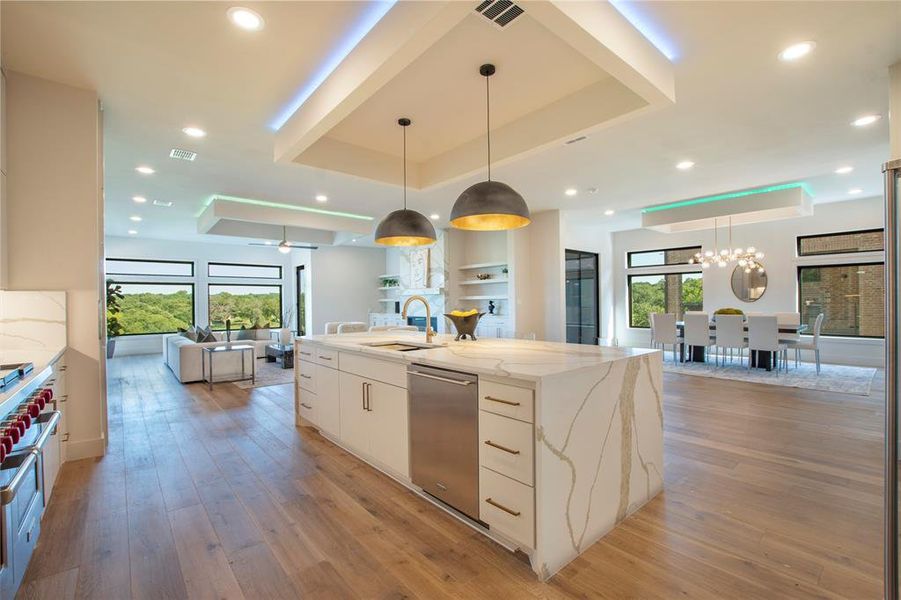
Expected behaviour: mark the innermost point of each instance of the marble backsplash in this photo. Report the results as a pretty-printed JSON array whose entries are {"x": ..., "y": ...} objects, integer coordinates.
[{"x": 32, "y": 320}]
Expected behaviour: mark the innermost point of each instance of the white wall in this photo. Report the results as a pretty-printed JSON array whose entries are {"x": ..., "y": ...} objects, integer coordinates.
[
  {"x": 777, "y": 239},
  {"x": 54, "y": 242},
  {"x": 201, "y": 253},
  {"x": 547, "y": 278},
  {"x": 344, "y": 284}
]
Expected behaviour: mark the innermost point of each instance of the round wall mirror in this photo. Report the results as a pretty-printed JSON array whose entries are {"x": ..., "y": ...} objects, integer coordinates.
[{"x": 748, "y": 286}]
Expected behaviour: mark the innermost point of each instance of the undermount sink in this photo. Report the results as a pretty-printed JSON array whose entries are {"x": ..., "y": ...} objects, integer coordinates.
[{"x": 402, "y": 346}]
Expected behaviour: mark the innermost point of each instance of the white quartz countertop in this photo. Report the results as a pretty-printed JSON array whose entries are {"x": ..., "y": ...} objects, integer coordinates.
[
  {"x": 520, "y": 359},
  {"x": 41, "y": 358}
]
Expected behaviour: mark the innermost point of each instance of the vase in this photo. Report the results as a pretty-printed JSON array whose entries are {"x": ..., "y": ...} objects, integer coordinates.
[{"x": 284, "y": 336}]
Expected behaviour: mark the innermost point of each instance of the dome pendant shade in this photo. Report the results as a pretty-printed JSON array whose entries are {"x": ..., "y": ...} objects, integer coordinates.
[
  {"x": 490, "y": 206},
  {"x": 405, "y": 228}
]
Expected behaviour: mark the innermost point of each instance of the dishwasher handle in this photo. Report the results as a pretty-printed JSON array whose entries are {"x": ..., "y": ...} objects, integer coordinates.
[{"x": 437, "y": 378}]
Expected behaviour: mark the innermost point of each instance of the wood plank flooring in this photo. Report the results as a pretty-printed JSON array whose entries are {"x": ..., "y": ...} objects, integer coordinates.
[{"x": 770, "y": 493}]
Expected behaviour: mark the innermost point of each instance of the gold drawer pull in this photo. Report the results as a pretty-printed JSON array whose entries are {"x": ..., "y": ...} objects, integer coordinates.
[
  {"x": 306, "y": 406},
  {"x": 515, "y": 513},
  {"x": 325, "y": 357},
  {"x": 306, "y": 353},
  {"x": 508, "y": 402},
  {"x": 499, "y": 447},
  {"x": 306, "y": 376}
]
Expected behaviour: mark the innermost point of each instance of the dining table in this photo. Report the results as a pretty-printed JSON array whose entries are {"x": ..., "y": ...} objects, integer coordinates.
[{"x": 762, "y": 359}]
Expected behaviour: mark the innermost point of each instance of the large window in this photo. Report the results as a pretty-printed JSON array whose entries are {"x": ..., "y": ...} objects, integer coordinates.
[
  {"x": 156, "y": 307},
  {"x": 659, "y": 258},
  {"x": 848, "y": 242},
  {"x": 851, "y": 296},
  {"x": 245, "y": 271},
  {"x": 245, "y": 305},
  {"x": 664, "y": 293},
  {"x": 149, "y": 268}
]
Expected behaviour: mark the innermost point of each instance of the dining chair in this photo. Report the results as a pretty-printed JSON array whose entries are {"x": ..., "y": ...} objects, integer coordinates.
[
  {"x": 664, "y": 325},
  {"x": 331, "y": 327},
  {"x": 730, "y": 335},
  {"x": 813, "y": 345},
  {"x": 352, "y": 327},
  {"x": 653, "y": 336},
  {"x": 697, "y": 331},
  {"x": 763, "y": 336}
]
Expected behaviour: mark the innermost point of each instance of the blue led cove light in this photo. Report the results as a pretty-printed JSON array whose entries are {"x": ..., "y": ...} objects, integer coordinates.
[
  {"x": 637, "y": 15},
  {"x": 371, "y": 15}
]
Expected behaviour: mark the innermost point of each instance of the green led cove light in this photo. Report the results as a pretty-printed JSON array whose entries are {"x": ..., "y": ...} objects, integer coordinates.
[
  {"x": 728, "y": 196},
  {"x": 318, "y": 211}
]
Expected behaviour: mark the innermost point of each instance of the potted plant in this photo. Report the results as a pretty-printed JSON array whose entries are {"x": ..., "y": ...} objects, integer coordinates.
[{"x": 114, "y": 329}]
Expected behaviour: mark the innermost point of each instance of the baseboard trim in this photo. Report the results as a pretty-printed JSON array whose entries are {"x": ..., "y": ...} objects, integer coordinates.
[{"x": 85, "y": 449}]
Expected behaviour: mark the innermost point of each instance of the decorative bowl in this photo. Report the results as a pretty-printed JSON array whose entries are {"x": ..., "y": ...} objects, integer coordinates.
[
  {"x": 465, "y": 326},
  {"x": 483, "y": 276}
]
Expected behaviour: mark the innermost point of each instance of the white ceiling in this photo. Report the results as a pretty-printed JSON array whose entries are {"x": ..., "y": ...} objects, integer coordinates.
[{"x": 745, "y": 118}]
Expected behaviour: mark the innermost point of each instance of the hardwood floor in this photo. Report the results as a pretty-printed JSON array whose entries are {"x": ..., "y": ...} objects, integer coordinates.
[{"x": 770, "y": 493}]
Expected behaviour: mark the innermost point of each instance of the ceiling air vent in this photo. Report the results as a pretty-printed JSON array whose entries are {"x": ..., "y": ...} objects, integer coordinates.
[
  {"x": 500, "y": 12},
  {"x": 576, "y": 139},
  {"x": 182, "y": 154}
]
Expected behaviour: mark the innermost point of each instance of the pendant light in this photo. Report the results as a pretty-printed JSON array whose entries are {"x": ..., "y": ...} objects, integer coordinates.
[
  {"x": 405, "y": 227},
  {"x": 489, "y": 205}
]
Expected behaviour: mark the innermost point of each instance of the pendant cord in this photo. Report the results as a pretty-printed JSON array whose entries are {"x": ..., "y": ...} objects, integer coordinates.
[
  {"x": 488, "y": 120},
  {"x": 405, "y": 168}
]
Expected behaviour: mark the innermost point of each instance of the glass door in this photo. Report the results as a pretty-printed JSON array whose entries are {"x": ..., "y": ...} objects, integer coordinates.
[
  {"x": 582, "y": 319},
  {"x": 301, "y": 281}
]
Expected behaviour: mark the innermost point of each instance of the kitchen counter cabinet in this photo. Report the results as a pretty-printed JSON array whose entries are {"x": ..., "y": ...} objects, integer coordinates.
[{"x": 575, "y": 432}]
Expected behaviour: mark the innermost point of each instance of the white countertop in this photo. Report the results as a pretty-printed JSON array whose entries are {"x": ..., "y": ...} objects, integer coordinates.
[
  {"x": 520, "y": 359},
  {"x": 41, "y": 358}
]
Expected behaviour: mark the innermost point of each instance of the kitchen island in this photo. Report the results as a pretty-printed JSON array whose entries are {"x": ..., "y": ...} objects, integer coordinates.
[{"x": 570, "y": 436}]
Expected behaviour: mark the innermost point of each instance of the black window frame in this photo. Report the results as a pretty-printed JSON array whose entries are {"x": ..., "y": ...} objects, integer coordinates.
[
  {"x": 843, "y": 264},
  {"x": 231, "y": 264},
  {"x": 597, "y": 290},
  {"x": 193, "y": 301},
  {"x": 665, "y": 298},
  {"x": 209, "y": 299},
  {"x": 834, "y": 234},
  {"x": 147, "y": 260},
  {"x": 629, "y": 254}
]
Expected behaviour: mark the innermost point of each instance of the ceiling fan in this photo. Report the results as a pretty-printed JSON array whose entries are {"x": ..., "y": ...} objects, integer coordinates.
[{"x": 285, "y": 246}]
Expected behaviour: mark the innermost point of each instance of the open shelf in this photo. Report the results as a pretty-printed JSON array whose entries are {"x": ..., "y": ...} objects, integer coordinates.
[
  {"x": 389, "y": 276},
  {"x": 489, "y": 297},
  {"x": 487, "y": 265},
  {"x": 390, "y": 287},
  {"x": 484, "y": 281}
]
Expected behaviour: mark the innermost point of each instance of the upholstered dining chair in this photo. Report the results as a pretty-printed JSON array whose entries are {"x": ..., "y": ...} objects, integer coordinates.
[
  {"x": 697, "y": 331},
  {"x": 664, "y": 326},
  {"x": 730, "y": 335},
  {"x": 352, "y": 327},
  {"x": 763, "y": 336},
  {"x": 813, "y": 345},
  {"x": 331, "y": 327}
]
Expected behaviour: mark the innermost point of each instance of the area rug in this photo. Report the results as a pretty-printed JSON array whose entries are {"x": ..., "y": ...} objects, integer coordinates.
[
  {"x": 267, "y": 374},
  {"x": 832, "y": 378}
]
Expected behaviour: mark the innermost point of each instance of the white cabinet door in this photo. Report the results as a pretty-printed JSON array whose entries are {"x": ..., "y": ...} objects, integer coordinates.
[
  {"x": 389, "y": 433},
  {"x": 328, "y": 392},
  {"x": 307, "y": 406},
  {"x": 354, "y": 426}
]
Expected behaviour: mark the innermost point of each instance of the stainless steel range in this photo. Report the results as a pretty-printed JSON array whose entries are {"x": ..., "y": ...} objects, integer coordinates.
[{"x": 29, "y": 446}]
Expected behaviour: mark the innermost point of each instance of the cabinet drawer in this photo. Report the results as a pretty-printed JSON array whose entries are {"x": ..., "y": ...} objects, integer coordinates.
[
  {"x": 505, "y": 446},
  {"x": 507, "y": 506},
  {"x": 303, "y": 352},
  {"x": 326, "y": 357},
  {"x": 507, "y": 400},
  {"x": 306, "y": 375},
  {"x": 306, "y": 406},
  {"x": 374, "y": 369}
]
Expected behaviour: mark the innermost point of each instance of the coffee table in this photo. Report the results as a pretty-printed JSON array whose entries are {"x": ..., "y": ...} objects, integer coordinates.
[
  {"x": 281, "y": 353},
  {"x": 207, "y": 357}
]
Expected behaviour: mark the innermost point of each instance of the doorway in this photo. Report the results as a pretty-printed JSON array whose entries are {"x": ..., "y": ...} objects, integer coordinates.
[
  {"x": 582, "y": 318},
  {"x": 300, "y": 279}
]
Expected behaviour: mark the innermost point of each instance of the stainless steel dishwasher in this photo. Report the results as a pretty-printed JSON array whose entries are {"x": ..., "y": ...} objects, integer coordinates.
[{"x": 444, "y": 435}]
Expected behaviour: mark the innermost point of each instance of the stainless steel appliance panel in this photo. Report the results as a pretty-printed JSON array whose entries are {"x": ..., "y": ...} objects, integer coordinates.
[{"x": 444, "y": 435}]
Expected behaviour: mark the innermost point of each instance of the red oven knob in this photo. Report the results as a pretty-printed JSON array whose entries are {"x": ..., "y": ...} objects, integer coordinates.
[
  {"x": 48, "y": 393},
  {"x": 25, "y": 420},
  {"x": 6, "y": 442},
  {"x": 40, "y": 400},
  {"x": 34, "y": 410},
  {"x": 3, "y": 453},
  {"x": 13, "y": 432}
]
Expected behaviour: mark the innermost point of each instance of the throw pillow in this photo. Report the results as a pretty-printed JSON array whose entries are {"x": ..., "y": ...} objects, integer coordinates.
[
  {"x": 191, "y": 334},
  {"x": 246, "y": 334},
  {"x": 205, "y": 335}
]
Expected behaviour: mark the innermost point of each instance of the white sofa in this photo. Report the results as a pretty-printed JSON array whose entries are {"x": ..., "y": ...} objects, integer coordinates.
[{"x": 183, "y": 356}]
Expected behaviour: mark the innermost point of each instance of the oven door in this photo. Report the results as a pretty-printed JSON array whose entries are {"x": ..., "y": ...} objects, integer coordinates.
[{"x": 22, "y": 504}]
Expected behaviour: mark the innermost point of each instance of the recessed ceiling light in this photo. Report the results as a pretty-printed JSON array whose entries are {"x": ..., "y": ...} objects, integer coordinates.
[
  {"x": 685, "y": 165},
  {"x": 194, "y": 132},
  {"x": 865, "y": 120},
  {"x": 571, "y": 191},
  {"x": 796, "y": 51},
  {"x": 144, "y": 170},
  {"x": 136, "y": 218},
  {"x": 609, "y": 212},
  {"x": 434, "y": 216},
  {"x": 321, "y": 198},
  {"x": 132, "y": 232},
  {"x": 844, "y": 170},
  {"x": 139, "y": 199},
  {"x": 165, "y": 204},
  {"x": 245, "y": 18},
  {"x": 854, "y": 191}
]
